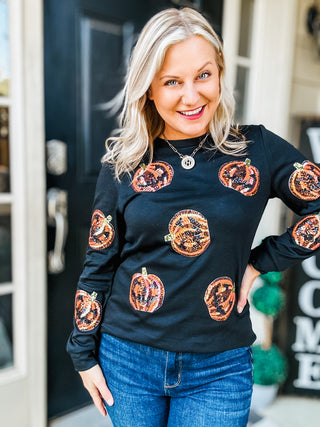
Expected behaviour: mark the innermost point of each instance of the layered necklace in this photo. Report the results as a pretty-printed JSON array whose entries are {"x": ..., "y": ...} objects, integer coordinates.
[{"x": 188, "y": 162}]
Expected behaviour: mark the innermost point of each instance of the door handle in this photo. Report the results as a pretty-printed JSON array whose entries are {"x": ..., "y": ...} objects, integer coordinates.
[{"x": 57, "y": 201}]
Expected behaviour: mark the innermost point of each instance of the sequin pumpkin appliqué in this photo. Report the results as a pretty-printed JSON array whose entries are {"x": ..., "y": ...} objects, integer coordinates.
[
  {"x": 304, "y": 182},
  {"x": 87, "y": 311},
  {"x": 240, "y": 176},
  {"x": 188, "y": 233},
  {"x": 306, "y": 233},
  {"x": 152, "y": 177},
  {"x": 220, "y": 298},
  {"x": 146, "y": 292},
  {"x": 101, "y": 232}
]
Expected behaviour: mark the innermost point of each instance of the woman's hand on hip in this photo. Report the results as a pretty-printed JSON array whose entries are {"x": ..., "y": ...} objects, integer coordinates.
[
  {"x": 249, "y": 277},
  {"x": 94, "y": 381}
]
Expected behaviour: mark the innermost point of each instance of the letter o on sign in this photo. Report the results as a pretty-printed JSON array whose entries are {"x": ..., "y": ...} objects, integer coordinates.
[{"x": 306, "y": 298}]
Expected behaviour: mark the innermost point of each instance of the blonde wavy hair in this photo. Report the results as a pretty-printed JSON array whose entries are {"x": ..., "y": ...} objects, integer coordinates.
[{"x": 139, "y": 121}]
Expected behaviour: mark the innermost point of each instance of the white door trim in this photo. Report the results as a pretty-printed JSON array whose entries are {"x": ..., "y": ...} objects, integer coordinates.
[
  {"x": 23, "y": 393},
  {"x": 36, "y": 209}
]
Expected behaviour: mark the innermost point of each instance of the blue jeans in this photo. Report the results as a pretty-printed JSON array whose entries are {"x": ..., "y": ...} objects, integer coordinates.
[{"x": 157, "y": 388}]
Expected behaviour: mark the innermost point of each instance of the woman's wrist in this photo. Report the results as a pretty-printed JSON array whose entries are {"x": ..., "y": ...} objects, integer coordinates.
[{"x": 254, "y": 271}]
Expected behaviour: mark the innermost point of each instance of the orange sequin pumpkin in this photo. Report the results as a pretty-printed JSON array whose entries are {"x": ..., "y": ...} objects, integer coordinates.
[
  {"x": 87, "y": 312},
  {"x": 189, "y": 233},
  {"x": 146, "y": 292},
  {"x": 101, "y": 232},
  {"x": 240, "y": 176},
  {"x": 220, "y": 298},
  {"x": 152, "y": 177},
  {"x": 306, "y": 232},
  {"x": 304, "y": 182}
]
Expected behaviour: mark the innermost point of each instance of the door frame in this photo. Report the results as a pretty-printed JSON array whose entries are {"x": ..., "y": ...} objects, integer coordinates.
[
  {"x": 23, "y": 387},
  {"x": 36, "y": 245}
]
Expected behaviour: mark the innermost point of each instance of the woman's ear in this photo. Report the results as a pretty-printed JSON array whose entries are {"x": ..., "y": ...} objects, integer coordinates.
[{"x": 149, "y": 94}]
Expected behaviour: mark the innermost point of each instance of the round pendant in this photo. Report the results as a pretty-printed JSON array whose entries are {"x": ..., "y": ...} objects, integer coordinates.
[{"x": 188, "y": 162}]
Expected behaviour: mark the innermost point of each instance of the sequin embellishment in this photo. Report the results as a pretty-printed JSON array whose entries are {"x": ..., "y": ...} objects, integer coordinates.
[
  {"x": 101, "y": 232},
  {"x": 240, "y": 176},
  {"x": 152, "y": 177},
  {"x": 306, "y": 232},
  {"x": 146, "y": 292},
  {"x": 188, "y": 233},
  {"x": 220, "y": 298},
  {"x": 304, "y": 182},
  {"x": 87, "y": 310}
]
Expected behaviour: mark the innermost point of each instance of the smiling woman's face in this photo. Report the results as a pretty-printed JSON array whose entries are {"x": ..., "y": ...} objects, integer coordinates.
[{"x": 186, "y": 89}]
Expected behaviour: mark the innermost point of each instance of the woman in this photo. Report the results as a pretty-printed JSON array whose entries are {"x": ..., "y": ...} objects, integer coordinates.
[{"x": 169, "y": 264}]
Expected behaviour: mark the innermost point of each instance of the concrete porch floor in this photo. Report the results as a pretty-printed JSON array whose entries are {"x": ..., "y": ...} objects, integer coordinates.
[{"x": 286, "y": 411}]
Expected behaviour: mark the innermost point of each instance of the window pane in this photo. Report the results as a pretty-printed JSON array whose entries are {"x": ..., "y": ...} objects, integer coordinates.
[
  {"x": 4, "y": 49},
  {"x": 5, "y": 244},
  {"x": 4, "y": 150},
  {"x": 246, "y": 28},
  {"x": 6, "y": 351},
  {"x": 241, "y": 93}
]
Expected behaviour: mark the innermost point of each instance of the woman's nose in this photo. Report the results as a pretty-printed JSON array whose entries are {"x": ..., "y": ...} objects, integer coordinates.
[{"x": 190, "y": 94}]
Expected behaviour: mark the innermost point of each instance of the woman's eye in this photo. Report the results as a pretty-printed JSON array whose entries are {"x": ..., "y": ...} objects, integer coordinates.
[
  {"x": 171, "y": 83},
  {"x": 204, "y": 75}
]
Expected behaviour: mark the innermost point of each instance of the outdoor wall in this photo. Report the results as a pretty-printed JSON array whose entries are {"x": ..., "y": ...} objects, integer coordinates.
[
  {"x": 305, "y": 99},
  {"x": 302, "y": 332}
]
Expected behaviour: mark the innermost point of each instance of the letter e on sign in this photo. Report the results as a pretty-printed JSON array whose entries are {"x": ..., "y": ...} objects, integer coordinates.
[{"x": 309, "y": 371}]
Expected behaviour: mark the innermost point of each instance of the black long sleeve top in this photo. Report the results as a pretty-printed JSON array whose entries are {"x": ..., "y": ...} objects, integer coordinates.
[{"x": 168, "y": 247}]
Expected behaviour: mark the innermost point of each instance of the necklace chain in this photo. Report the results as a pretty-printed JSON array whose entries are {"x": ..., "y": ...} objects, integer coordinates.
[{"x": 193, "y": 152}]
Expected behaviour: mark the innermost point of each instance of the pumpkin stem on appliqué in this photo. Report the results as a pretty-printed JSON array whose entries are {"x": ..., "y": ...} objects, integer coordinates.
[
  {"x": 106, "y": 221},
  {"x": 92, "y": 298},
  {"x": 298, "y": 166},
  {"x": 169, "y": 237},
  {"x": 144, "y": 272},
  {"x": 247, "y": 162},
  {"x": 143, "y": 166}
]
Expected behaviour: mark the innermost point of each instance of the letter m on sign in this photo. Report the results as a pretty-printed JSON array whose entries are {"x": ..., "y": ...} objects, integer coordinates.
[{"x": 307, "y": 336}]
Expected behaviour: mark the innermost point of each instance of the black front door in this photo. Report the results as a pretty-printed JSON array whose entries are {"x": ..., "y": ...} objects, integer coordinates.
[{"x": 86, "y": 44}]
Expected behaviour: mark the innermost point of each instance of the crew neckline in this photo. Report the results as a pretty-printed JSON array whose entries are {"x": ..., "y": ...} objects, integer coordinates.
[{"x": 182, "y": 143}]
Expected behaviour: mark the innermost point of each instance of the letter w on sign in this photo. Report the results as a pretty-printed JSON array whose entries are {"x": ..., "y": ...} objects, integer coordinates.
[{"x": 314, "y": 137}]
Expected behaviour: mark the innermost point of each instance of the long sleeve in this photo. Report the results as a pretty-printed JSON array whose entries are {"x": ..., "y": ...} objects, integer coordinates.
[
  {"x": 296, "y": 181},
  {"x": 95, "y": 281}
]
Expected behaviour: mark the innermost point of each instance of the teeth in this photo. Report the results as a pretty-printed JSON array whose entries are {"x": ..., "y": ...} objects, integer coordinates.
[{"x": 191, "y": 113}]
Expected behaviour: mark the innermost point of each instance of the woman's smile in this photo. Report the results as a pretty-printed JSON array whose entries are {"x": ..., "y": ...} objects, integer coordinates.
[{"x": 193, "y": 114}]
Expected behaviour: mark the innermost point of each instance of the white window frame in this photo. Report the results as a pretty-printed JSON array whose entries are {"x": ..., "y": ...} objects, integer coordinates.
[
  {"x": 16, "y": 198},
  {"x": 269, "y": 93}
]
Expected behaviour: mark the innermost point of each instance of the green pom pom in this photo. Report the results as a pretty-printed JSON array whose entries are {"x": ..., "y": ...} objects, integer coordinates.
[
  {"x": 268, "y": 299},
  {"x": 272, "y": 278},
  {"x": 269, "y": 366}
]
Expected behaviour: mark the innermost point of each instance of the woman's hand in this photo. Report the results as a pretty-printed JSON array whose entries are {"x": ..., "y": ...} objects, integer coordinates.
[
  {"x": 95, "y": 383},
  {"x": 249, "y": 277}
]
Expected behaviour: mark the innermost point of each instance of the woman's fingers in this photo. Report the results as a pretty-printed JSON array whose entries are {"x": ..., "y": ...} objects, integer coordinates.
[
  {"x": 242, "y": 301},
  {"x": 249, "y": 277},
  {"x": 98, "y": 402},
  {"x": 105, "y": 392},
  {"x": 95, "y": 383}
]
